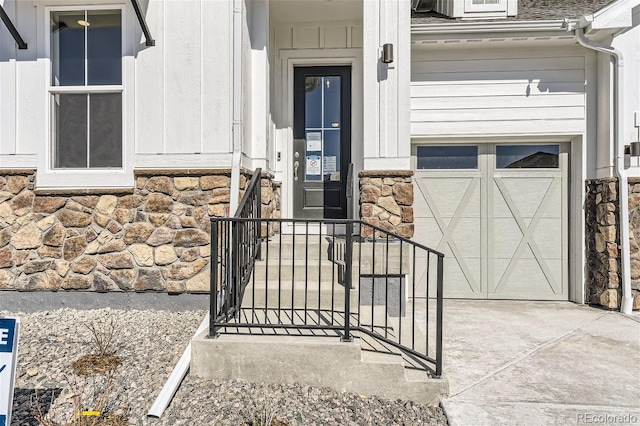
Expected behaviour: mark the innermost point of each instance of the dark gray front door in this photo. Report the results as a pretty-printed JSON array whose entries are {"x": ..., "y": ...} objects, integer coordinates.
[{"x": 322, "y": 141}]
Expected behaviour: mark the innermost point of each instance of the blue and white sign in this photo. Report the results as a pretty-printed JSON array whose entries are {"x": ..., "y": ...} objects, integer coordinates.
[{"x": 9, "y": 328}]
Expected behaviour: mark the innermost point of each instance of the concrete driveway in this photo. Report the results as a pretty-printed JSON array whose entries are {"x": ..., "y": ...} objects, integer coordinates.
[{"x": 540, "y": 363}]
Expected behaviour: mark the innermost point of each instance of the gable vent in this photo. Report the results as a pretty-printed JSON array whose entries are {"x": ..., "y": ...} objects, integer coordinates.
[{"x": 424, "y": 5}]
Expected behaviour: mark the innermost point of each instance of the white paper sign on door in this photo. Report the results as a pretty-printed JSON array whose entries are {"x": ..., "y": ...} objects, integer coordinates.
[
  {"x": 329, "y": 164},
  {"x": 313, "y": 165},
  {"x": 314, "y": 141}
]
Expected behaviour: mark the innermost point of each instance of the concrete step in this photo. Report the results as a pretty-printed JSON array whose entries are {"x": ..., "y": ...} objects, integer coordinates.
[
  {"x": 287, "y": 270},
  {"x": 377, "y": 259},
  {"x": 313, "y": 360}
]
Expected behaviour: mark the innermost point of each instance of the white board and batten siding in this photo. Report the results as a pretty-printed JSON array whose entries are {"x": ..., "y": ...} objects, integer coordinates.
[
  {"x": 487, "y": 92},
  {"x": 183, "y": 86},
  {"x": 177, "y": 108}
]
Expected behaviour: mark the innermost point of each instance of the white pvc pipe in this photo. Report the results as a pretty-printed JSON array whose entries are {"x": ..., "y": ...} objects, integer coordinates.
[
  {"x": 623, "y": 192},
  {"x": 177, "y": 375}
]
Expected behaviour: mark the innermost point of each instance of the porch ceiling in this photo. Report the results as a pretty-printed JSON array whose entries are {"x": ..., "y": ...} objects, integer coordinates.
[{"x": 283, "y": 11}]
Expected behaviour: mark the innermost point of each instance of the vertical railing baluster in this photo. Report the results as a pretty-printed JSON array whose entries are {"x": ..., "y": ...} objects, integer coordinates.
[
  {"x": 319, "y": 270},
  {"x": 439, "y": 316},
  {"x": 235, "y": 255},
  {"x": 400, "y": 299},
  {"x": 333, "y": 275},
  {"x": 427, "y": 298},
  {"x": 293, "y": 272},
  {"x": 413, "y": 296},
  {"x": 373, "y": 278},
  {"x": 359, "y": 273},
  {"x": 280, "y": 275},
  {"x": 348, "y": 255},
  {"x": 386, "y": 288},
  {"x": 306, "y": 269},
  {"x": 213, "y": 283},
  {"x": 266, "y": 282}
]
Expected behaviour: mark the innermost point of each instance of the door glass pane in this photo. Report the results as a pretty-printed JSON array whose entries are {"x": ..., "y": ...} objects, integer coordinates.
[
  {"x": 527, "y": 156},
  {"x": 104, "y": 47},
  {"x": 331, "y": 102},
  {"x": 331, "y": 155},
  {"x": 105, "y": 130},
  {"x": 447, "y": 157},
  {"x": 67, "y": 48},
  {"x": 70, "y": 133},
  {"x": 313, "y": 102}
]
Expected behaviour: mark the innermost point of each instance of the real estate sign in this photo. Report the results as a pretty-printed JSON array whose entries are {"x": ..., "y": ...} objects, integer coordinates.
[{"x": 8, "y": 360}]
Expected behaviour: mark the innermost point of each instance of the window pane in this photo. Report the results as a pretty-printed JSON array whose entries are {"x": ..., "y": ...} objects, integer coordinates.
[
  {"x": 313, "y": 102},
  {"x": 447, "y": 157},
  {"x": 332, "y": 102},
  {"x": 331, "y": 154},
  {"x": 104, "y": 47},
  {"x": 527, "y": 156},
  {"x": 105, "y": 130},
  {"x": 70, "y": 131},
  {"x": 67, "y": 49}
]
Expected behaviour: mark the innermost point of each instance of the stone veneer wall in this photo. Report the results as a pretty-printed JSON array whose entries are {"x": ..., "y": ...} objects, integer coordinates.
[
  {"x": 152, "y": 237},
  {"x": 386, "y": 201},
  {"x": 634, "y": 238},
  {"x": 603, "y": 237}
]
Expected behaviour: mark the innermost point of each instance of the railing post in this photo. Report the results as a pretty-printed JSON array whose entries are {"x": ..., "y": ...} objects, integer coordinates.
[
  {"x": 439, "y": 316},
  {"x": 258, "y": 239},
  {"x": 348, "y": 256},
  {"x": 213, "y": 279},
  {"x": 235, "y": 267}
]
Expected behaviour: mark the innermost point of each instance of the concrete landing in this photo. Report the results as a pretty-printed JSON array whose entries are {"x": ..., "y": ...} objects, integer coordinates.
[{"x": 315, "y": 361}]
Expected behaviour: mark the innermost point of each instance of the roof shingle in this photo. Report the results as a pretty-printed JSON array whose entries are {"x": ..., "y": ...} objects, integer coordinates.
[{"x": 529, "y": 10}]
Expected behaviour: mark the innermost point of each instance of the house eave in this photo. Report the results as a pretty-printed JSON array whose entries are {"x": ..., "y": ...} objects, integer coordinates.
[{"x": 551, "y": 29}]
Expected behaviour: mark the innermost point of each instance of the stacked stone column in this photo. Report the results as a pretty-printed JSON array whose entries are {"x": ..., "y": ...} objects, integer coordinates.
[{"x": 386, "y": 201}]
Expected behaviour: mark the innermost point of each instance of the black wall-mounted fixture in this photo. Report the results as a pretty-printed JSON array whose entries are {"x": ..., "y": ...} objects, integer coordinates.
[
  {"x": 387, "y": 53},
  {"x": 149, "y": 41},
  {"x": 12, "y": 29},
  {"x": 635, "y": 149}
]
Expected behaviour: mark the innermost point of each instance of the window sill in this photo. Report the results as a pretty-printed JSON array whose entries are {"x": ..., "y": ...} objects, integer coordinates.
[{"x": 81, "y": 180}]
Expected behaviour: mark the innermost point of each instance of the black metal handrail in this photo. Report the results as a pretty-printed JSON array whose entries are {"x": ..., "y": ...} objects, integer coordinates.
[
  {"x": 234, "y": 247},
  {"x": 296, "y": 285}
]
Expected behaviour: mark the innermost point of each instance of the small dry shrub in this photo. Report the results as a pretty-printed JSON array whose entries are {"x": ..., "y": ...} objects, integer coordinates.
[
  {"x": 102, "y": 358},
  {"x": 91, "y": 400}
]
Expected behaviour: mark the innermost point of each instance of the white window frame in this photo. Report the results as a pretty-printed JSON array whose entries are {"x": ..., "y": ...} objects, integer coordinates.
[
  {"x": 501, "y": 6},
  {"x": 50, "y": 177}
]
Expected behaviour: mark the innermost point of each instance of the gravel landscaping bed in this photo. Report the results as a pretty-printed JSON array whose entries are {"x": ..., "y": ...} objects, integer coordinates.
[{"x": 150, "y": 342}]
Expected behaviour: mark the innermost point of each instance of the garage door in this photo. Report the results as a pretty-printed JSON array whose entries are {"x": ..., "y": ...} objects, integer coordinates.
[{"x": 499, "y": 213}]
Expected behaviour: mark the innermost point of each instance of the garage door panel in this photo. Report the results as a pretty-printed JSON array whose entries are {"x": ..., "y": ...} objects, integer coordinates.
[
  {"x": 525, "y": 274},
  {"x": 517, "y": 196},
  {"x": 421, "y": 208},
  {"x": 459, "y": 282},
  {"x": 503, "y": 231},
  {"x": 523, "y": 194},
  {"x": 428, "y": 233},
  {"x": 528, "y": 276},
  {"x": 506, "y": 236},
  {"x": 548, "y": 238},
  {"x": 465, "y": 234},
  {"x": 445, "y": 195}
]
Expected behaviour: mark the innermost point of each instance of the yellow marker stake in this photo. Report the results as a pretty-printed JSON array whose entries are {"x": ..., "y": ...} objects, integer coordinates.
[{"x": 89, "y": 413}]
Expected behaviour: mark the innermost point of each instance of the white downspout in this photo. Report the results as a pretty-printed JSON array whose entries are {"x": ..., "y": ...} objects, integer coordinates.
[
  {"x": 618, "y": 165},
  {"x": 237, "y": 107},
  {"x": 179, "y": 372}
]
